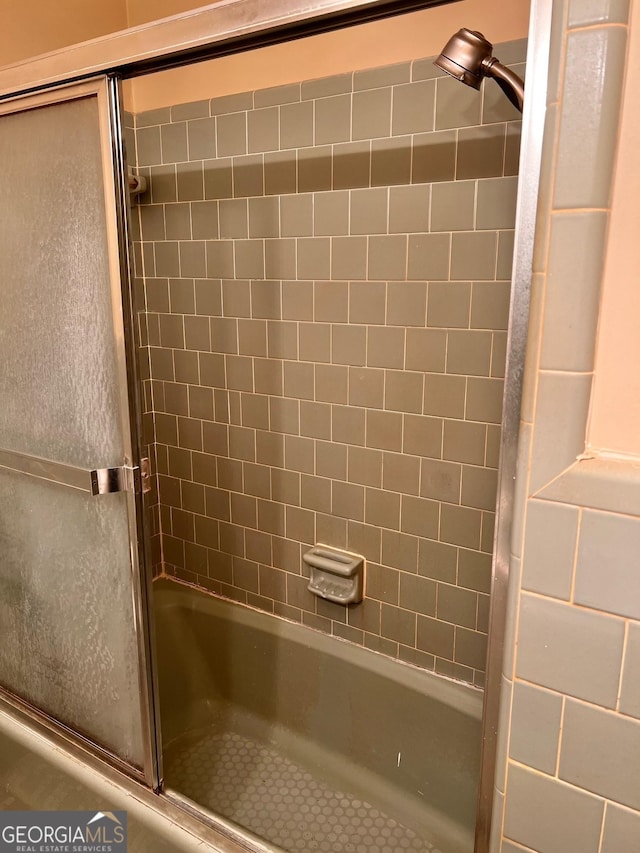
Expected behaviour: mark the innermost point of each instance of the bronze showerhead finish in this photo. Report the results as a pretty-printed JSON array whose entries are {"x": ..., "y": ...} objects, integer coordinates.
[{"x": 467, "y": 56}]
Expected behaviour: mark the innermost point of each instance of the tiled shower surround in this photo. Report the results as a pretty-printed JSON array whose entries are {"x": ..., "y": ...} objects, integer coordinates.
[{"x": 326, "y": 275}]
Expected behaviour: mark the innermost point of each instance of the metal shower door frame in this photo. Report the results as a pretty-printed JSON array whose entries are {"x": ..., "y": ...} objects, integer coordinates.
[
  {"x": 533, "y": 125},
  {"x": 106, "y": 91}
]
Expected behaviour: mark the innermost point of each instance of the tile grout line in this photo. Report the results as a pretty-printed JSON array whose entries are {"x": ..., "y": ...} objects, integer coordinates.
[
  {"x": 625, "y": 649},
  {"x": 604, "y": 820}
]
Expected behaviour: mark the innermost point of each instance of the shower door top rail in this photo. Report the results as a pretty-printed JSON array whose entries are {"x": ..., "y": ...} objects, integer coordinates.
[{"x": 225, "y": 27}]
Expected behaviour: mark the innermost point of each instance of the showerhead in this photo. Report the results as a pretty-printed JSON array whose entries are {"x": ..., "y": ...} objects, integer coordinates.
[{"x": 467, "y": 56}]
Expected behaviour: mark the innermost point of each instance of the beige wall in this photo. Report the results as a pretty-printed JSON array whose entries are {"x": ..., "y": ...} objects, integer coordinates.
[
  {"x": 380, "y": 43},
  {"x": 615, "y": 415},
  {"x": 31, "y": 27},
  {"x": 143, "y": 11}
]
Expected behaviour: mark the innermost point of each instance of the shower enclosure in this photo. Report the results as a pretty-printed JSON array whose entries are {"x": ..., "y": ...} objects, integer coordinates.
[
  {"x": 325, "y": 271},
  {"x": 300, "y": 329}
]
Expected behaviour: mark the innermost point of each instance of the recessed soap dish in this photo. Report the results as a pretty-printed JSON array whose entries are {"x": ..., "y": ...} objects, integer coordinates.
[{"x": 336, "y": 575}]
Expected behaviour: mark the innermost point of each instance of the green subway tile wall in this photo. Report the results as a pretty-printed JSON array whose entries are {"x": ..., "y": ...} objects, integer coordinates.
[{"x": 323, "y": 273}]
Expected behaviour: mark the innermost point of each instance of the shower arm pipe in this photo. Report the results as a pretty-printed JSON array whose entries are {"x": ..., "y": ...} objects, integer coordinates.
[{"x": 510, "y": 83}]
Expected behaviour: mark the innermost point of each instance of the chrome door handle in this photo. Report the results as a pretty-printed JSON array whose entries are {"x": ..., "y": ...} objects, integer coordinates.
[
  {"x": 104, "y": 481},
  {"x": 126, "y": 478}
]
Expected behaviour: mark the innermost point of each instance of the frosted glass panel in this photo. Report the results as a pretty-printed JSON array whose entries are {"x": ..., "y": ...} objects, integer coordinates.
[
  {"x": 68, "y": 632},
  {"x": 66, "y": 613},
  {"x": 58, "y": 381}
]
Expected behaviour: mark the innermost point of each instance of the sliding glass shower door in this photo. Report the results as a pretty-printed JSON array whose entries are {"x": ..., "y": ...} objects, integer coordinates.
[{"x": 72, "y": 620}]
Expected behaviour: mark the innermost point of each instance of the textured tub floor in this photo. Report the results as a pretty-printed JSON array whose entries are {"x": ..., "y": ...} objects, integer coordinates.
[{"x": 257, "y": 788}]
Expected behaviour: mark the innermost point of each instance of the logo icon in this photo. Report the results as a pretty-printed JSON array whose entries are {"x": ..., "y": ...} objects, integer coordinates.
[{"x": 64, "y": 832}]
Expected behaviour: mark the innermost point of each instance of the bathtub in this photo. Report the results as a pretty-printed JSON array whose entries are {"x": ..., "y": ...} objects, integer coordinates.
[{"x": 400, "y": 740}]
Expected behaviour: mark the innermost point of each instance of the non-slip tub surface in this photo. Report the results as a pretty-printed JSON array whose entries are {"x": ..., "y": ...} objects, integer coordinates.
[
  {"x": 309, "y": 742},
  {"x": 258, "y": 788}
]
